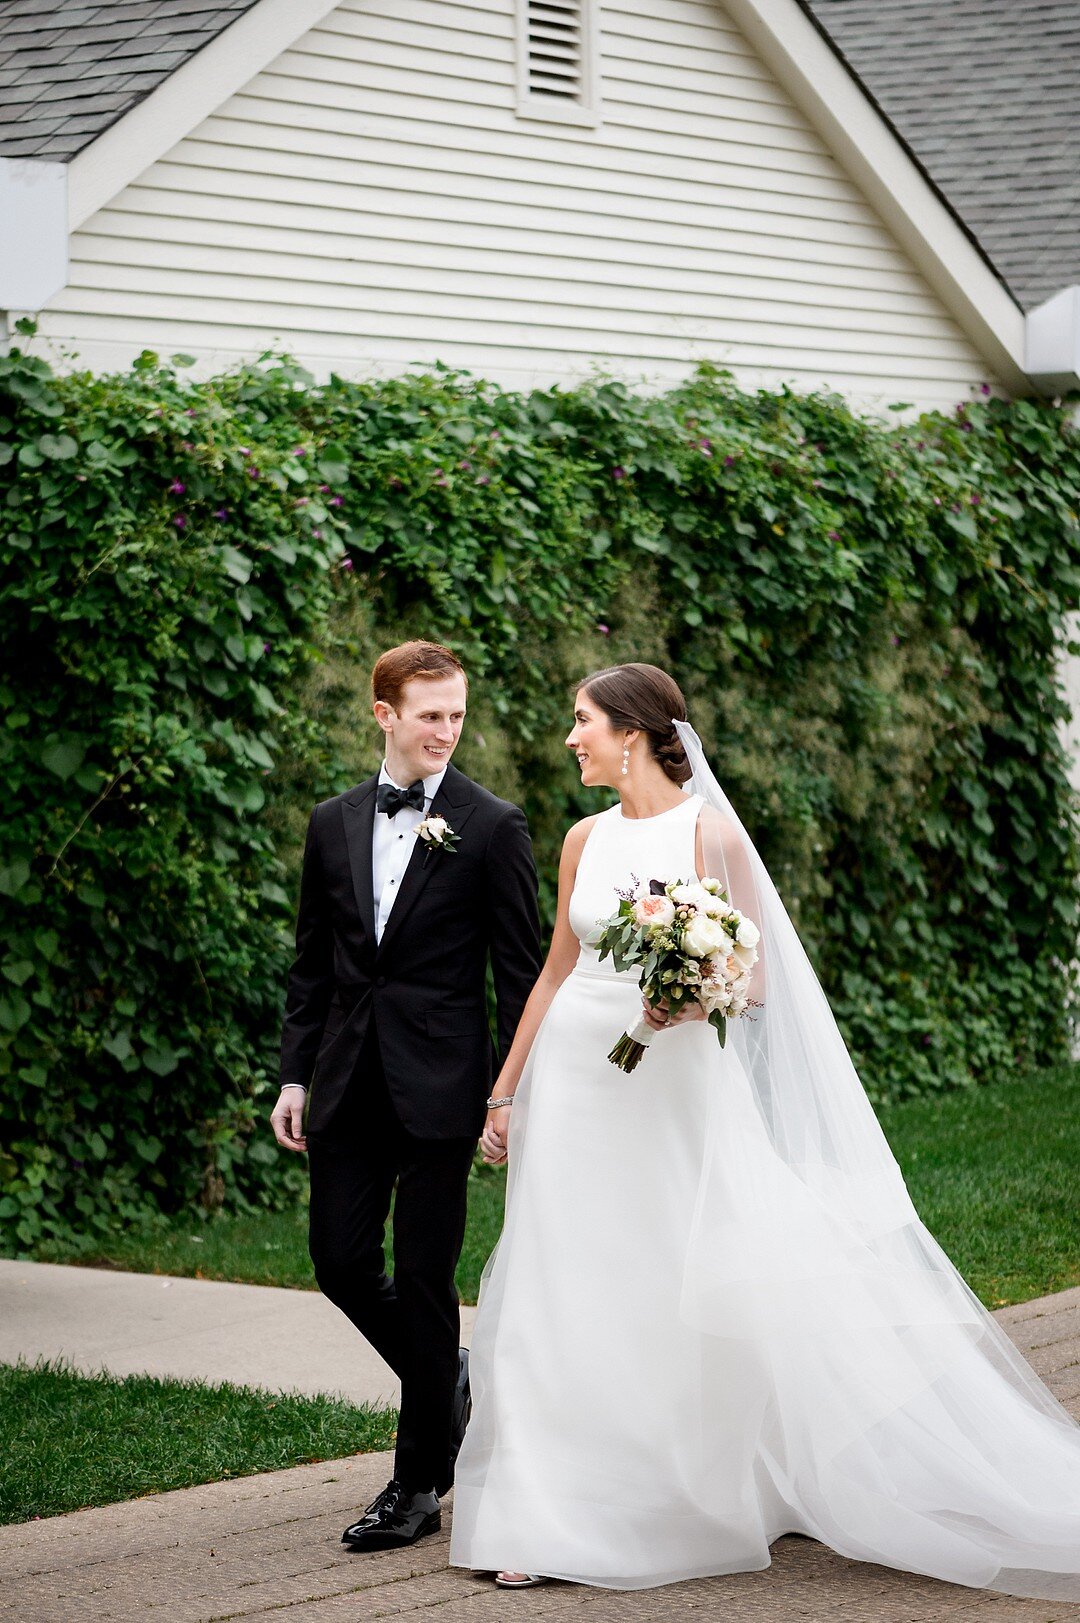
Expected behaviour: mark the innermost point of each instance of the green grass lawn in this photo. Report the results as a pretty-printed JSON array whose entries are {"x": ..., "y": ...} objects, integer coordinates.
[
  {"x": 992, "y": 1172},
  {"x": 75, "y": 1440}
]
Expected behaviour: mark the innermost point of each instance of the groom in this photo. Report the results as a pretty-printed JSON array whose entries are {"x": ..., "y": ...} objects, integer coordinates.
[{"x": 410, "y": 882}]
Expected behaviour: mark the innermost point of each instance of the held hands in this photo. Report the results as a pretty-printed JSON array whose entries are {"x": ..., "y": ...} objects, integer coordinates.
[
  {"x": 656, "y": 1014},
  {"x": 287, "y": 1120},
  {"x": 493, "y": 1137}
]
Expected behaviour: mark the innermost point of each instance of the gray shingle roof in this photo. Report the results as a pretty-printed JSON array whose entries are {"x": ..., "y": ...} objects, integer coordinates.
[
  {"x": 70, "y": 68},
  {"x": 986, "y": 95}
]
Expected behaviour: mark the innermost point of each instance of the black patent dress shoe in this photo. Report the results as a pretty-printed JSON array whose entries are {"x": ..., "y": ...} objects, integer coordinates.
[
  {"x": 462, "y": 1406},
  {"x": 397, "y": 1517}
]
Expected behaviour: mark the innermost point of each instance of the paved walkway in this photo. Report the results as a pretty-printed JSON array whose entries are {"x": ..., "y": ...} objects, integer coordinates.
[
  {"x": 268, "y": 1547},
  {"x": 144, "y": 1324}
]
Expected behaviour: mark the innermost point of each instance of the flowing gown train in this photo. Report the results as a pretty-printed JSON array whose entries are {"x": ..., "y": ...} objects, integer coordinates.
[{"x": 659, "y": 1394}]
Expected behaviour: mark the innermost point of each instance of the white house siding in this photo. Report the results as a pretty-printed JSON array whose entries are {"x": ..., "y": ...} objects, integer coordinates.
[{"x": 372, "y": 200}]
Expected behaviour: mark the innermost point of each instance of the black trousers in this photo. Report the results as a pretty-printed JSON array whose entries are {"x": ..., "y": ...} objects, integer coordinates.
[{"x": 411, "y": 1318}]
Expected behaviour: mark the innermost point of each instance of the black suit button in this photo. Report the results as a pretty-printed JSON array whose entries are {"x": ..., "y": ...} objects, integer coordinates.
[{"x": 380, "y": 980}]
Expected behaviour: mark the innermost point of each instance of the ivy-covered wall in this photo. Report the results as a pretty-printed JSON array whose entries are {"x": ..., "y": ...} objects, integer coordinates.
[{"x": 196, "y": 578}]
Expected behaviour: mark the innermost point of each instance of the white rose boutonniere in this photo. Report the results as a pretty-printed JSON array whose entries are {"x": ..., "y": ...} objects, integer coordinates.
[{"x": 436, "y": 834}]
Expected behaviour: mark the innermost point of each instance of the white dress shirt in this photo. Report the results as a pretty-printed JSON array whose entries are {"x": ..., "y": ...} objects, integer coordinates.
[{"x": 392, "y": 841}]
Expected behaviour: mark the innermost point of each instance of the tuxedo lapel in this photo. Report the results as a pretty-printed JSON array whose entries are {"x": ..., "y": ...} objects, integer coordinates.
[
  {"x": 358, "y": 811},
  {"x": 452, "y": 802}
]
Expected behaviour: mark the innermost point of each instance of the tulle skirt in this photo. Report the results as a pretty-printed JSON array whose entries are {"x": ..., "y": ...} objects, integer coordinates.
[{"x": 682, "y": 1353}]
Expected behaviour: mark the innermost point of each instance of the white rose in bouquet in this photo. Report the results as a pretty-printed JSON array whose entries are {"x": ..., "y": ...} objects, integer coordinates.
[
  {"x": 746, "y": 957},
  {"x": 748, "y": 934},
  {"x": 702, "y": 936}
]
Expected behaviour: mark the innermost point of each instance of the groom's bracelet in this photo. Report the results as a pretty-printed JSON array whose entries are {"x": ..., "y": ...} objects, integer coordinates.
[{"x": 497, "y": 1104}]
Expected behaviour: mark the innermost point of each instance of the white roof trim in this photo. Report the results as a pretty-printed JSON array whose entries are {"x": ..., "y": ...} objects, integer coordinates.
[
  {"x": 197, "y": 89},
  {"x": 864, "y": 144},
  {"x": 1053, "y": 342},
  {"x": 34, "y": 241}
]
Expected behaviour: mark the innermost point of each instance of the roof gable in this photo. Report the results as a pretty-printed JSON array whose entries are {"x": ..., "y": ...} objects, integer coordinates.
[{"x": 70, "y": 68}]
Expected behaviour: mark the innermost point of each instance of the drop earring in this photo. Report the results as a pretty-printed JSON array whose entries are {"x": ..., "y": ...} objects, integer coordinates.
[{"x": 625, "y": 759}]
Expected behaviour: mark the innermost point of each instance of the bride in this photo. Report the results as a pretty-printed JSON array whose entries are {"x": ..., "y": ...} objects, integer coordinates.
[{"x": 713, "y": 1316}]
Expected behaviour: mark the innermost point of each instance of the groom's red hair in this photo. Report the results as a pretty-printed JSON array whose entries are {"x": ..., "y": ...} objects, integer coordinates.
[{"x": 409, "y": 661}]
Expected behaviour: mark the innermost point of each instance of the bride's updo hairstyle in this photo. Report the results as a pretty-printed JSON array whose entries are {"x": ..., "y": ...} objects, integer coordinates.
[{"x": 645, "y": 697}]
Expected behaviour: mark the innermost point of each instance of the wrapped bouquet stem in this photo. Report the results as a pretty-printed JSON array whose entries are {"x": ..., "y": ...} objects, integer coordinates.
[{"x": 691, "y": 946}]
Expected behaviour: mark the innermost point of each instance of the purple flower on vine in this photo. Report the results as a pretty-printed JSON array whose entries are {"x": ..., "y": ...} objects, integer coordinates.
[
  {"x": 618, "y": 473},
  {"x": 191, "y": 412},
  {"x": 347, "y": 564},
  {"x": 976, "y": 499},
  {"x": 336, "y": 501},
  {"x": 605, "y": 631},
  {"x": 317, "y": 534},
  {"x": 728, "y": 460},
  {"x": 244, "y": 450},
  {"x": 465, "y": 463},
  {"x": 299, "y": 450},
  {"x": 253, "y": 472},
  {"x": 180, "y": 520},
  {"x": 323, "y": 489},
  {"x": 484, "y": 479},
  {"x": 266, "y": 647},
  {"x": 705, "y": 447},
  {"x": 221, "y": 512},
  {"x": 894, "y": 639},
  {"x": 834, "y": 535},
  {"x": 301, "y": 501},
  {"x": 176, "y": 488},
  {"x": 984, "y": 388}
]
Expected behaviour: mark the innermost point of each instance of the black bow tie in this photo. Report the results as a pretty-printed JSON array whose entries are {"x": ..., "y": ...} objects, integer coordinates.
[{"x": 390, "y": 799}]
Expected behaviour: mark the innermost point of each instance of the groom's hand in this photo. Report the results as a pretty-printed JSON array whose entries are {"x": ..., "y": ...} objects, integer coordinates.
[{"x": 287, "y": 1119}]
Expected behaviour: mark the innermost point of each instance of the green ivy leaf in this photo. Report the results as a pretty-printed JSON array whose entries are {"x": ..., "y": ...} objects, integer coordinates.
[
  {"x": 64, "y": 757},
  {"x": 13, "y": 878},
  {"x": 162, "y": 1061},
  {"x": 60, "y": 447}
]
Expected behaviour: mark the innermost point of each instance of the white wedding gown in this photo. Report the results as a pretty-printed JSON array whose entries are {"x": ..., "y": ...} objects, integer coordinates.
[{"x": 658, "y": 1395}]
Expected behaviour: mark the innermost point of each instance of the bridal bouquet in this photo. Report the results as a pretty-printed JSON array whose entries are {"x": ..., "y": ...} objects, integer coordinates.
[{"x": 692, "y": 947}]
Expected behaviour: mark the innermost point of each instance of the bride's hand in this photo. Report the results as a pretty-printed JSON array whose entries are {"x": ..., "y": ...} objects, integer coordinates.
[
  {"x": 657, "y": 1016},
  {"x": 493, "y": 1137}
]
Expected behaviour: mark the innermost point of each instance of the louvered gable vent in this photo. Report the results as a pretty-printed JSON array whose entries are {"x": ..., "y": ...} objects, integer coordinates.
[
  {"x": 555, "y": 59},
  {"x": 555, "y": 48}
]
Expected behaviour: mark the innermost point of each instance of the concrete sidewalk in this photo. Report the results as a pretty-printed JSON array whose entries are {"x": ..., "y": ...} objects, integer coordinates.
[
  {"x": 269, "y": 1546},
  {"x": 145, "y": 1324}
]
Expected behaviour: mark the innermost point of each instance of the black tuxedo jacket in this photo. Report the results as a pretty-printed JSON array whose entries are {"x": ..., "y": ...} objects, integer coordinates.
[{"x": 423, "y": 984}]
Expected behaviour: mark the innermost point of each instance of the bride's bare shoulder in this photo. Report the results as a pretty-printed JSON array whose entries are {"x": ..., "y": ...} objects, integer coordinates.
[{"x": 577, "y": 834}]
